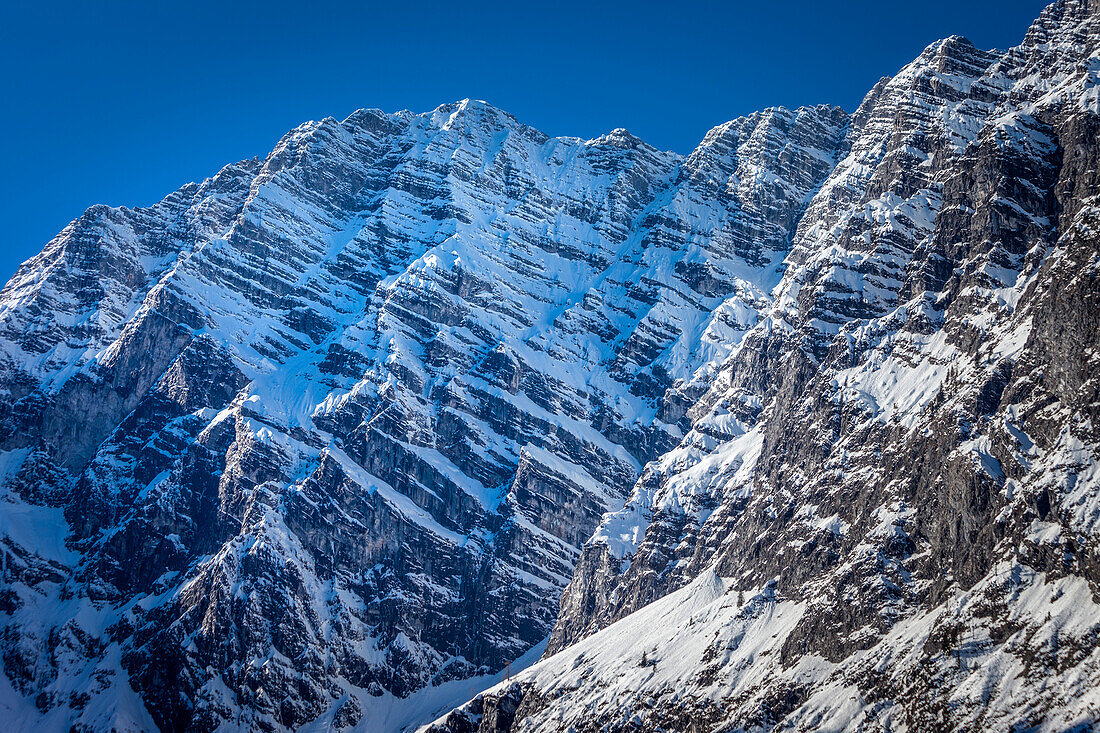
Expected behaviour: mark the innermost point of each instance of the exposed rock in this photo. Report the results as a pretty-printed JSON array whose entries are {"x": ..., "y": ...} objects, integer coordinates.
[
  {"x": 804, "y": 424},
  {"x": 332, "y": 427}
]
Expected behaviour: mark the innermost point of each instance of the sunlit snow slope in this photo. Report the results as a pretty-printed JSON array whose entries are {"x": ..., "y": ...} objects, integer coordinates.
[
  {"x": 897, "y": 466},
  {"x": 797, "y": 431},
  {"x": 330, "y": 428}
]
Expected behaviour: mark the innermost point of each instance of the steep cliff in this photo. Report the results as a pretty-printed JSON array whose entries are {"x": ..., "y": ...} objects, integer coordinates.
[
  {"x": 796, "y": 431},
  {"x": 330, "y": 428},
  {"x": 885, "y": 511}
]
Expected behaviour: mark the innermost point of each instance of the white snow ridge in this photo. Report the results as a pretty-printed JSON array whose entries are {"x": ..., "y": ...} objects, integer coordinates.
[{"x": 432, "y": 421}]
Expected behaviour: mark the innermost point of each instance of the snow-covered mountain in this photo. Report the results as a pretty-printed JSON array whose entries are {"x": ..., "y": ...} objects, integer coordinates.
[
  {"x": 886, "y": 512},
  {"x": 796, "y": 430}
]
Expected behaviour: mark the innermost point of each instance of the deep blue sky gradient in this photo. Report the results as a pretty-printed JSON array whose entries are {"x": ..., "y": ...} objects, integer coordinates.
[{"x": 123, "y": 102}]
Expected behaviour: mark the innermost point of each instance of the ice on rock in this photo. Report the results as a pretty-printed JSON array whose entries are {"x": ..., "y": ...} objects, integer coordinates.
[{"x": 797, "y": 430}]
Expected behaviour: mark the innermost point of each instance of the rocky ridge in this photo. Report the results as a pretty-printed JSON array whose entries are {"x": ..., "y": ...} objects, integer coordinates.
[
  {"x": 884, "y": 514},
  {"x": 802, "y": 424},
  {"x": 328, "y": 430}
]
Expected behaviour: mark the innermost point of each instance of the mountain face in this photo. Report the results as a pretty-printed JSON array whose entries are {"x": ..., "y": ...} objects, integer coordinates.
[
  {"x": 886, "y": 511},
  {"x": 797, "y": 431},
  {"x": 333, "y": 427}
]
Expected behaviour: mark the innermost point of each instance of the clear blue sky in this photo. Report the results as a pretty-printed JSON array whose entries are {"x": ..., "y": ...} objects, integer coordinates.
[{"x": 122, "y": 102}]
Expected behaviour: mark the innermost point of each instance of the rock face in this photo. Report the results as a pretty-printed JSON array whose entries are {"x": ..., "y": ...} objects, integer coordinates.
[
  {"x": 321, "y": 438},
  {"x": 333, "y": 439},
  {"x": 885, "y": 511}
]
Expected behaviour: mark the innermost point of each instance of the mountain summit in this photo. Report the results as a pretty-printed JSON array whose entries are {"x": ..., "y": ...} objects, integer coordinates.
[{"x": 799, "y": 430}]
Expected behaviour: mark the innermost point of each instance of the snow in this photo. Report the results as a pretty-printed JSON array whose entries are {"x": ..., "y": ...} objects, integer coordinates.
[
  {"x": 40, "y": 530},
  {"x": 702, "y": 626},
  {"x": 401, "y": 503},
  {"x": 602, "y": 671},
  {"x": 399, "y": 714},
  {"x": 693, "y": 476},
  {"x": 573, "y": 279}
]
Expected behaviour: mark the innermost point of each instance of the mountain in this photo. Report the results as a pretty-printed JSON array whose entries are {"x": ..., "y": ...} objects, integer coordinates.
[
  {"x": 798, "y": 430},
  {"x": 886, "y": 512}
]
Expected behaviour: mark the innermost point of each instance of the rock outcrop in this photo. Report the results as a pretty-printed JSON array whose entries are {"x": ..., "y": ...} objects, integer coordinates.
[
  {"x": 893, "y": 477},
  {"x": 798, "y": 431},
  {"x": 329, "y": 430}
]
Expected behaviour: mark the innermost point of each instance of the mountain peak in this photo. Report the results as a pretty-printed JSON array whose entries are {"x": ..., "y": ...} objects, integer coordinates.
[{"x": 798, "y": 430}]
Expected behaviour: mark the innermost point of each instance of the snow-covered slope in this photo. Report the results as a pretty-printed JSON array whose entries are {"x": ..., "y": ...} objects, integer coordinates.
[
  {"x": 902, "y": 453},
  {"x": 710, "y": 656},
  {"x": 330, "y": 428},
  {"x": 804, "y": 420}
]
